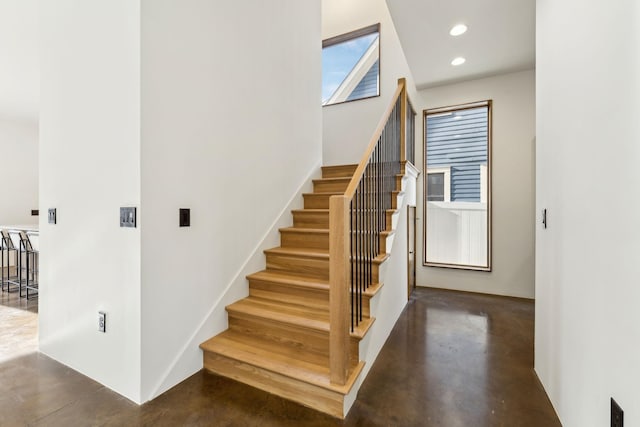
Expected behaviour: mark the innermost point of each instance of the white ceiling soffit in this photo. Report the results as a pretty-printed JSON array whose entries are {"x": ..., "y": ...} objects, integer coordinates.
[
  {"x": 500, "y": 38},
  {"x": 19, "y": 70}
]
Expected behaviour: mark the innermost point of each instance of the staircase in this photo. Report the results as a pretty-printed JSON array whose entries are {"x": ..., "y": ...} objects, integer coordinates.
[{"x": 278, "y": 337}]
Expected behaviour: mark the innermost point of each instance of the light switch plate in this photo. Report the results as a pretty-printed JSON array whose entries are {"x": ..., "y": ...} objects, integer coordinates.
[
  {"x": 128, "y": 217},
  {"x": 102, "y": 321},
  {"x": 185, "y": 217},
  {"x": 52, "y": 216}
]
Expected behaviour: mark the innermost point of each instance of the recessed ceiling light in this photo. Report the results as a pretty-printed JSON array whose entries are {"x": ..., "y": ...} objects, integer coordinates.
[
  {"x": 458, "y": 61},
  {"x": 458, "y": 29}
]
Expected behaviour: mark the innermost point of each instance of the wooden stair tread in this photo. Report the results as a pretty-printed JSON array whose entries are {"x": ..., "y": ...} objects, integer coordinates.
[
  {"x": 333, "y": 179},
  {"x": 378, "y": 259},
  {"x": 311, "y": 211},
  {"x": 324, "y": 193},
  {"x": 303, "y": 281},
  {"x": 303, "y": 316},
  {"x": 301, "y": 252},
  {"x": 293, "y": 314},
  {"x": 243, "y": 348},
  {"x": 305, "y": 230},
  {"x": 289, "y": 279}
]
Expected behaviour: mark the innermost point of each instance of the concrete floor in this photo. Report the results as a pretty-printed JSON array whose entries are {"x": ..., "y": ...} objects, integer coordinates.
[{"x": 453, "y": 359}]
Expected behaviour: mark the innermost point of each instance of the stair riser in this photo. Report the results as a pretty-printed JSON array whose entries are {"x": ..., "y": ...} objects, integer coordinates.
[
  {"x": 389, "y": 220},
  {"x": 394, "y": 200},
  {"x": 309, "y": 297},
  {"x": 316, "y": 201},
  {"x": 343, "y": 171},
  {"x": 298, "y": 337},
  {"x": 296, "y": 239},
  {"x": 330, "y": 186},
  {"x": 304, "y": 393},
  {"x": 293, "y": 336},
  {"x": 300, "y": 266},
  {"x": 399, "y": 182},
  {"x": 282, "y": 292},
  {"x": 375, "y": 273},
  {"x": 311, "y": 219}
]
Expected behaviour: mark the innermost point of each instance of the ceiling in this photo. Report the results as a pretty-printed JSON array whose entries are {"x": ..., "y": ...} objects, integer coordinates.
[
  {"x": 19, "y": 72},
  {"x": 500, "y": 37}
]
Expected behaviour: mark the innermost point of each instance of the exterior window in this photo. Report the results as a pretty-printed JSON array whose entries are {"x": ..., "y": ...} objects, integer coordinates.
[
  {"x": 435, "y": 191},
  {"x": 457, "y": 198},
  {"x": 351, "y": 66}
]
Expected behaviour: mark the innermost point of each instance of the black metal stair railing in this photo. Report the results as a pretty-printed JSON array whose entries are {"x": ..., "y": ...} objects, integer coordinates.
[{"x": 368, "y": 210}]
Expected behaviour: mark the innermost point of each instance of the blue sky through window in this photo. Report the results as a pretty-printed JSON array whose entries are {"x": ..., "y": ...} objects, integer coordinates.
[{"x": 338, "y": 60}]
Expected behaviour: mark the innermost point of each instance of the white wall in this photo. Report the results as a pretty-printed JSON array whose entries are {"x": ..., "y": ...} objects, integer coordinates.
[
  {"x": 513, "y": 191},
  {"x": 231, "y": 128},
  {"x": 89, "y": 167},
  {"x": 19, "y": 151},
  {"x": 588, "y": 133},
  {"x": 348, "y": 127}
]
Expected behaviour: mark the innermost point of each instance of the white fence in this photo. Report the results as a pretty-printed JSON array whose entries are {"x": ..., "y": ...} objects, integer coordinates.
[{"x": 457, "y": 233}]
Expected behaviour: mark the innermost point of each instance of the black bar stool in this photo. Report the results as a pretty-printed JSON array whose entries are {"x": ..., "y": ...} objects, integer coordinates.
[
  {"x": 7, "y": 280},
  {"x": 28, "y": 266}
]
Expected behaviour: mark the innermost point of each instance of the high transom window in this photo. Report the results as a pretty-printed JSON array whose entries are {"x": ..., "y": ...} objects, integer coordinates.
[{"x": 351, "y": 66}]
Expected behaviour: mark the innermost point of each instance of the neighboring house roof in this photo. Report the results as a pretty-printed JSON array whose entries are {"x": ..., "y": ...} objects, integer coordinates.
[{"x": 362, "y": 72}]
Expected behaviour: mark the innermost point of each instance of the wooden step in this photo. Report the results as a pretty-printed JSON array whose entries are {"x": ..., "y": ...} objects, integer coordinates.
[
  {"x": 319, "y": 218},
  {"x": 318, "y": 200},
  {"x": 281, "y": 371},
  {"x": 399, "y": 178},
  {"x": 294, "y": 237},
  {"x": 328, "y": 185},
  {"x": 289, "y": 288},
  {"x": 339, "y": 171},
  {"x": 299, "y": 261},
  {"x": 301, "y": 327},
  {"x": 311, "y": 218},
  {"x": 292, "y": 315},
  {"x": 394, "y": 199},
  {"x": 299, "y": 290}
]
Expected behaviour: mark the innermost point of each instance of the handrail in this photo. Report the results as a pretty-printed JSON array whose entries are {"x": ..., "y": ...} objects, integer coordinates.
[
  {"x": 357, "y": 175},
  {"x": 357, "y": 222}
]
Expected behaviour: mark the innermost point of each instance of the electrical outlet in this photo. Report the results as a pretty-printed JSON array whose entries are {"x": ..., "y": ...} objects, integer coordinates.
[
  {"x": 52, "y": 216},
  {"x": 102, "y": 321},
  {"x": 617, "y": 414},
  {"x": 128, "y": 217},
  {"x": 35, "y": 212}
]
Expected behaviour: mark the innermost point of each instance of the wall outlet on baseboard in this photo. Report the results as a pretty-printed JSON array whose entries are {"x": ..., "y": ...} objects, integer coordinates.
[
  {"x": 102, "y": 321},
  {"x": 617, "y": 414}
]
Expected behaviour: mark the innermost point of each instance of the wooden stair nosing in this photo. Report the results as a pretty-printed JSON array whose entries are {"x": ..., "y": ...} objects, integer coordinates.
[
  {"x": 338, "y": 171},
  {"x": 346, "y": 179},
  {"x": 299, "y": 252},
  {"x": 300, "y": 230},
  {"x": 303, "y": 282},
  {"x": 289, "y": 279},
  {"x": 302, "y": 317}
]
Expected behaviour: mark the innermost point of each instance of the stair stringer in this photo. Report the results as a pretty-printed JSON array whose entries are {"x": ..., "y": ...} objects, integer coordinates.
[{"x": 387, "y": 305}]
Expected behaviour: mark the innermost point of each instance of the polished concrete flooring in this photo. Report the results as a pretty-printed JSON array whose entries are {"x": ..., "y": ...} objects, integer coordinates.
[{"x": 453, "y": 359}]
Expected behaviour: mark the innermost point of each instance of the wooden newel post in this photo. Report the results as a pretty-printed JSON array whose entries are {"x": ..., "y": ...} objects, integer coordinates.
[
  {"x": 403, "y": 119},
  {"x": 339, "y": 271}
]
